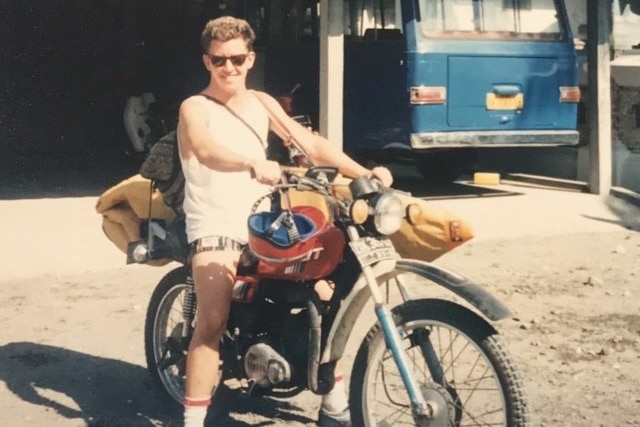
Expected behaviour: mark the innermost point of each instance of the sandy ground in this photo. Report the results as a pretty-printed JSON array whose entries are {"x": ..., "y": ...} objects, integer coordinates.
[{"x": 566, "y": 263}]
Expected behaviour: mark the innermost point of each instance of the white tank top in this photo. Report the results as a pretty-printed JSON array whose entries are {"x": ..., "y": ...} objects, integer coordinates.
[{"x": 219, "y": 203}]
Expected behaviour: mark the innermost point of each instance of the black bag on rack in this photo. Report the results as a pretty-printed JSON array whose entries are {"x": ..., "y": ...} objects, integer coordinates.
[{"x": 162, "y": 166}]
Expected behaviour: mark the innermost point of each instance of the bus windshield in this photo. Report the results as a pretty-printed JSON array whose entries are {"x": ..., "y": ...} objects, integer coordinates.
[{"x": 491, "y": 19}]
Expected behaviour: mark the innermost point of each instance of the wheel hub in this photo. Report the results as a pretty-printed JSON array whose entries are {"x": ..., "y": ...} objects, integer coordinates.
[{"x": 442, "y": 405}]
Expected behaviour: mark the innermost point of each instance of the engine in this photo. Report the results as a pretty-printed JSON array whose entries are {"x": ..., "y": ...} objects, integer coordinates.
[
  {"x": 271, "y": 365},
  {"x": 266, "y": 366}
]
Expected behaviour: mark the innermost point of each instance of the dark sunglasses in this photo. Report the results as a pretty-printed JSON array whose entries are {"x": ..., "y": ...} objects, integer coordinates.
[{"x": 220, "y": 61}]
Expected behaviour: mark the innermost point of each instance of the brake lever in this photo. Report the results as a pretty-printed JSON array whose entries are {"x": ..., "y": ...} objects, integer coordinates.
[
  {"x": 287, "y": 176},
  {"x": 381, "y": 187},
  {"x": 305, "y": 184}
]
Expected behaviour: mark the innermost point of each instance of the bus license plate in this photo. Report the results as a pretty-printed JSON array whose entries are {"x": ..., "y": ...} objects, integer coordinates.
[
  {"x": 509, "y": 102},
  {"x": 369, "y": 250}
]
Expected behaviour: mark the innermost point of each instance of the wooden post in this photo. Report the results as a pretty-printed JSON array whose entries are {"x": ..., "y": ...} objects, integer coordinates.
[
  {"x": 331, "y": 70},
  {"x": 599, "y": 102}
]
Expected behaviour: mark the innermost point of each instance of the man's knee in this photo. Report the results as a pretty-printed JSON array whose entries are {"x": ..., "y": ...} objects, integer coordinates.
[{"x": 210, "y": 326}]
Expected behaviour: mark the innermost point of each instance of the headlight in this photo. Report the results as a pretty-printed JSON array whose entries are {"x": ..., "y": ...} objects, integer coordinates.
[{"x": 388, "y": 214}]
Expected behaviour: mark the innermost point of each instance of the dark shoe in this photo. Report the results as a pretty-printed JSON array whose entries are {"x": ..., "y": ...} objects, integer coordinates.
[{"x": 334, "y": 420}]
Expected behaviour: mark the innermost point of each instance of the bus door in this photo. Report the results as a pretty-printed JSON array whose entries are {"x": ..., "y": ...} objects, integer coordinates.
[
  {"x": 376, "y": 111},
  {"x": 375, "y": 107}
]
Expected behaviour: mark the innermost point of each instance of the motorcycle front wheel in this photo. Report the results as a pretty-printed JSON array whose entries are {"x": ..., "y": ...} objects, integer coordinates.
[
  {"x": 164, "y": 341},
  {"x": 458, "y": 361}
]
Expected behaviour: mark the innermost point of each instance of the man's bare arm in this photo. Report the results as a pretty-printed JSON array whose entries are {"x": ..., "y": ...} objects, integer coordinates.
[
  {"x": 197, "y": 140},
  {"x": 319, "y": 150}
]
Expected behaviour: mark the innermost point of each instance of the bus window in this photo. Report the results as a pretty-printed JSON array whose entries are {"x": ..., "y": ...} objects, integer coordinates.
[
  {"x": 372, "y": 19},
  {"x": 491, "y": 19}
]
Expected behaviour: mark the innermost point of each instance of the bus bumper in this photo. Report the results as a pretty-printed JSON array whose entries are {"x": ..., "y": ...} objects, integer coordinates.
[{"x": 543, "y": 138}]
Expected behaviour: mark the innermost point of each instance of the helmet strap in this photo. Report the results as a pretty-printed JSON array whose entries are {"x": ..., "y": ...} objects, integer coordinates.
[{"x": 285, "y": 218}]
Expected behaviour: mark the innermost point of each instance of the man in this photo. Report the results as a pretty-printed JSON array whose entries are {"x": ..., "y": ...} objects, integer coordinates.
[{"x": 222, "y": 134}]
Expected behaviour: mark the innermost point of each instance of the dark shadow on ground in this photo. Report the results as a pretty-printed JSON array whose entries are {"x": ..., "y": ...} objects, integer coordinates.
[
  {"x": 112, "y": 393},
  {"x": 453, "y": 190},
  {"x": 277, "y": 412},
  {"x": 107, "y": 392},
  {"x": 627, "y": 212}
]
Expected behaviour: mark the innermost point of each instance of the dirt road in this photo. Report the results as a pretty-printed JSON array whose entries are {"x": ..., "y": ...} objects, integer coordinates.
[{"x": 71, "y": 342}]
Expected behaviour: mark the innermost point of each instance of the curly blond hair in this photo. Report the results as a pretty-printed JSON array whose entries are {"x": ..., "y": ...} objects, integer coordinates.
[{"x": 227, "y": 28}]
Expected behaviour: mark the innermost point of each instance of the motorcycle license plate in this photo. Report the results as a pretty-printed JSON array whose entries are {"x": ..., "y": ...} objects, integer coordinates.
[{"x": 369, "y": 250}]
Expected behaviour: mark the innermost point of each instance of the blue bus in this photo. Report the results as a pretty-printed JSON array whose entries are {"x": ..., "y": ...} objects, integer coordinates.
[{"x": 429, "y": 81}]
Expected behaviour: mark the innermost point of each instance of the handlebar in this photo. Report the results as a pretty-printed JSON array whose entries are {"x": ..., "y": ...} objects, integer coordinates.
[
  {"x": 301, "y": 183},
  {"x": 320, "y": 178}
]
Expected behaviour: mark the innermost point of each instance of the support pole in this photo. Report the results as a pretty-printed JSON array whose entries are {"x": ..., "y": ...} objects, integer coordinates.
[
  {"x": 331, "y": 70},
  {"x": 599, "y": 102}
]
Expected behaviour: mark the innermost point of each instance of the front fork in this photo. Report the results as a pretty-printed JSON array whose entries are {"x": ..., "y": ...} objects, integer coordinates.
[{"x": 422, "y": 409}]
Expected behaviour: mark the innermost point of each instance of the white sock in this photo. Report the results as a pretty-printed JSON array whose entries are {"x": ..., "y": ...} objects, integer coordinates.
[
  {"x": 195, "y": 411},
  {"x": 335, "y": 402}
]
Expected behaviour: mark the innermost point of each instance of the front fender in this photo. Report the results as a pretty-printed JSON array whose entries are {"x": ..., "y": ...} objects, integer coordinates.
[
  {"x": 353, "y": 304},
  {"x": 488, "y": 305}
]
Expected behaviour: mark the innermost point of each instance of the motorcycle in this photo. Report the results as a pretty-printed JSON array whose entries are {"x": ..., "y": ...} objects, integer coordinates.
[{"x": 425, "y": 361}]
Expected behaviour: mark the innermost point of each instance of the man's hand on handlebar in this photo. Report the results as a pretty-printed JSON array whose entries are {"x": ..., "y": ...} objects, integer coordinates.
[
  {"x": 383, "y": 175},
  {"x": 266, "y": 171}
]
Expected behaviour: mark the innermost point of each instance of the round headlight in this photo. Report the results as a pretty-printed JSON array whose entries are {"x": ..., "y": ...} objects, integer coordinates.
[
  {"x": 388, "y": 214},
  {"x": 359, "y": 211}
]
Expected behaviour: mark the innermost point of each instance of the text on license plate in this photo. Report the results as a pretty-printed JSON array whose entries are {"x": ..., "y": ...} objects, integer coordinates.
[{"x": 369, "y": 250}]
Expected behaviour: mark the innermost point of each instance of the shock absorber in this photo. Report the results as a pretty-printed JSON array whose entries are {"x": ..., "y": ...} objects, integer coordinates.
[{"x": 188, "y": 305}]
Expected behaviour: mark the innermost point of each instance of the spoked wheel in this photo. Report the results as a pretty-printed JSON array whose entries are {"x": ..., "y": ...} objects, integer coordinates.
[
  {"x": 165, "y": 345},
  {"x": 459, "y": 362}
]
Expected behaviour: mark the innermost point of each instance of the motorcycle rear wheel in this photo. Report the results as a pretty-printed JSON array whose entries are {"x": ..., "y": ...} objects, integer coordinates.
[
  {"x": 165, "y": 347},
  {"x": 470, "y": 377}
]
